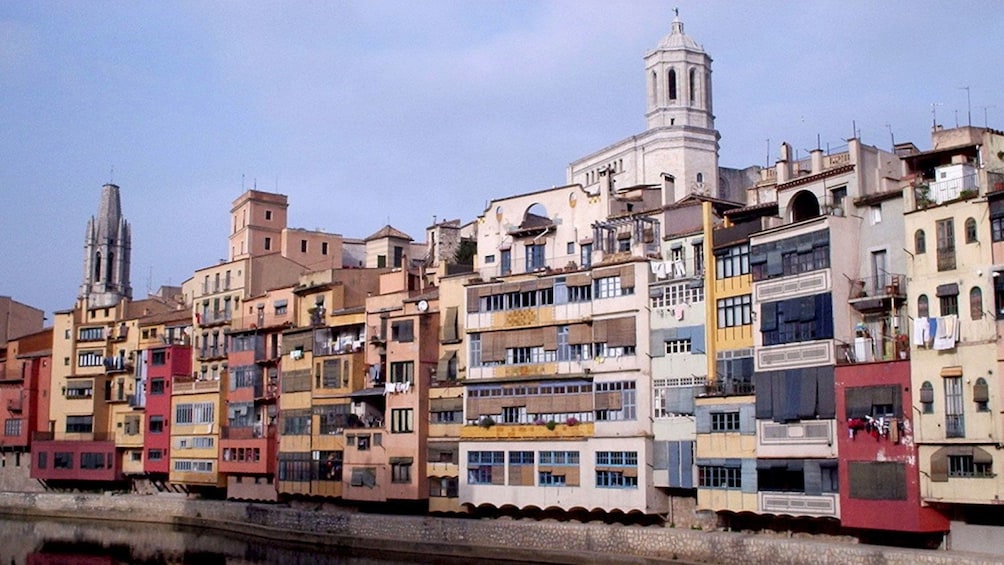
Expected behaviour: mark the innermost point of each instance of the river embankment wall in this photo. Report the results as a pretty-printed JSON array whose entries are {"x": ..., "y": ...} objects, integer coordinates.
[{"x": 520, "y": 540}]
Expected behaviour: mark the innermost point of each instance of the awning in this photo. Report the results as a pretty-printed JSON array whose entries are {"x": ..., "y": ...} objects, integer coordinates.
[
  {"x": 951, "y": 289},
  {"x": 951, "y": 371}
]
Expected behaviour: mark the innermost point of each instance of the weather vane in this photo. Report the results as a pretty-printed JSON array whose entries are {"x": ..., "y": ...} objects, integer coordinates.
[{"x": 676, "y": 11}]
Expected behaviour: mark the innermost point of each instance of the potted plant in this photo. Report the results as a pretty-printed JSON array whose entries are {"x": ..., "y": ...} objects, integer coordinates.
[
  {"x": 572, "y": 421},
  {"x": 486, "y": 422},
  {"x": 551, "y": 424}
]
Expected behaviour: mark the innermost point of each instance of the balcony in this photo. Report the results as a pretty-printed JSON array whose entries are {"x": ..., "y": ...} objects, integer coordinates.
[
  {"x": 257, "y": 431},
  {"x": 723, "y": 387},
  {"x": 215, "y": 318},
  {"x": 928, "y": 193},
  {"x": 15, "y": 404},
  {"x": 878, "y": 293},
  {"x": 955, "y": 425},
  {"x": 191, "y": 386},
  {"x": 117, "y": 365},
  {"x": 527, "y": 431},
  {"x": 211, "y": 353}
]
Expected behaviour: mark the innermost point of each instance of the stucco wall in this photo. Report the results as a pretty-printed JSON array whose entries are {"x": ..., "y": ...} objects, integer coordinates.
[{"x": 557, "y": 542}]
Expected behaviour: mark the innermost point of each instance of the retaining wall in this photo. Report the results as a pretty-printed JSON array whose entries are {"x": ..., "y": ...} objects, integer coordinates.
[{"x": 543, "y": 541}]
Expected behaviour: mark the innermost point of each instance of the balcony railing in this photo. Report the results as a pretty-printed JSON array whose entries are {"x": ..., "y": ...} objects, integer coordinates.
[
  {"x": 72, "y": 436},
  {"x": 257, "y": 431},
  {"x": 217, "y": 317},
  {"x": 955, "y": 425},
  {"x": 212, "y": 352},
  {"x": 724, "y": 387},
  {"x": 117, "y": 365},
  {"x": 934, "y": 192}
]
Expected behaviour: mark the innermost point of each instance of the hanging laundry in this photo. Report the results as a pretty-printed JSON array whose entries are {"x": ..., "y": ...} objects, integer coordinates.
[
  {"x": 921, "y": 331},
  {"x": 947, "y": 332}
]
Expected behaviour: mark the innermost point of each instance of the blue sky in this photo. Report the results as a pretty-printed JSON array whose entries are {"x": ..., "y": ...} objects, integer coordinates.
[{"x": 375, "y": 112}]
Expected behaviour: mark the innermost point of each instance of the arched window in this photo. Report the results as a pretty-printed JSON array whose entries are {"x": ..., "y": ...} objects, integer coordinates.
[
  {"x": 976, "y": 303},
  {"x": 981, "y": 395},
  {"x": 111, "y": 265},
  {"x": 970, "y": 230},
  {"x": 700, "y": 177},
  {"x": 919, "y": 242},
  {"x": 671, "y": 83},
  {"x": 693, "y": 85},
  {"x": 922, "y": 306},
  {"x": 97, "y": 266},
  {"x": 654, "y": 100},
  {"x": 927, "y": 397}
]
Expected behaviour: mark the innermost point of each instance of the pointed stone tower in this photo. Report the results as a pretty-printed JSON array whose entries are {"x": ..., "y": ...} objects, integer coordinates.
[{"x": 107, "y": 249}]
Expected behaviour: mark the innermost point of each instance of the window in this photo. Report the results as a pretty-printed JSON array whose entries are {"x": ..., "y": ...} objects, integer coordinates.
[
  {"x": 402, "y": 372},
  {"x": 733, "y": 263},
  {"x": 489, "y": 259},
  {"x": 797, "y": 319},
  {"x": 296, "y": 423},
  {"x": 877, "y": 480},
  {"x": 402, "y": 420},
  {"x": 154, "y": 455},
  {"x": 609, "y": 287},
  {"x": 734, "y": 311},
  {"x": 157, "y": 386},
  {"x": 692, "y": 90},
  {"x": 381, "y": 261},
  {"x": 709, "y": 476},
  {"x": 586, "y": 254},
  {"x": 970, "y": 230},
  {"x": 997, "y": 229},
  {"x": 402, "y": 331},
  {"x": 923, "y": 308},
  {"x": 671, "y": 83},
  {"x": 303, "y": 246},
  {"x": 79, "y": 424},
  {"x": 475, "y": 351},
  {"x": 281, "y": 307},
  {"x": 62, "y": 460},
  {"x": 927, "y": 397},
  {"x": 444, "y": 487},
  {"x": 505, "y": 261},
  {"x": 156, "y": 425},
  {"x": 534, "y": 256},
  {"x": 570, "y": 248},
  {"x": 268, "y": 244},
  {"x": 981, "y": 395},
  {"x": 876, "y": 214},
  {"x": 617, "y": 469},
  {"x": 91, "y": 334},
  {"x": 616, "y": 401},
  {"x": 792, "y": 256},
  {"x": 675, "y": 294},
  {"x": 946, "y": 244},
  {"x": 193, "y": 466},
  {"x": 268, "y": 214},
  {"x": 949, "y": 305},
  {"x": 400, "y": 472},
  {"x": 324, "y": 248},
  {"x": 725, "y": 421},
  {"x": 485, "y": 467},
  {"x": 398, "y": 256},
  {"x": 954, "y": 408},
  {"x": 12, "y": 427},
  {"x": 678, "y": 346},
  {"x": 976, "y": 303},
  {"x": 966, "y": 466},
  {"x": 198, "y": 413},
  {"x": 90, "y": 359}
]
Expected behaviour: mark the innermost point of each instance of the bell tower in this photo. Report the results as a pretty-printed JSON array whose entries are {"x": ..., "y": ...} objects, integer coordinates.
[{"x": 107, "y": 249}]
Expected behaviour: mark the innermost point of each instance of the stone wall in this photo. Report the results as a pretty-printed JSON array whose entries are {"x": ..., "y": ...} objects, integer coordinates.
[
  {"x": 15, "y": 473},
  {"x": 543, "y": 541}
]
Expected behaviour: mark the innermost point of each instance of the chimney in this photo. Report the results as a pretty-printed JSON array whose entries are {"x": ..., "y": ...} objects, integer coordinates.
[{"x": 816, "y": 156}]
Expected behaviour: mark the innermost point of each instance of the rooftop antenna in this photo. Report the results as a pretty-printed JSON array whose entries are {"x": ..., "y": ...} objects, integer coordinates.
[
  {"x": 956, "y": 118},
  {"x": 969, "y": 104},
  {"x": 986, "y": 122},
  {"x": 818, "y": 143},
  {"x": 111, "y": 175},
  {"x": 768, "y": 151},
  {"x": 934, "y": 116},
  {"x": 854, "y": 129},
  {"x": 892, "y": 138}
]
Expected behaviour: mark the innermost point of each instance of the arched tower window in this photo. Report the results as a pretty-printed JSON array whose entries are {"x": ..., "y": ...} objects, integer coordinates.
[
  {"x": 693, "y": 85},
  {"x": 109, "y": 268},
  {"x": 922, "y": 306},
  {"x": 976, "y": 303},
  {"x": 97, "y": 266},
  {"x": 671, "y": 84},
  {"x": 654, "y": 94},
  {"x": 700, "y": 177},
  {"x": 919, "y": 242}
]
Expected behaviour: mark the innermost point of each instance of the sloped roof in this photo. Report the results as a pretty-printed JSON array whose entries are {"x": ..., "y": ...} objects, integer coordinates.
[{"x": 391, "y": 232}]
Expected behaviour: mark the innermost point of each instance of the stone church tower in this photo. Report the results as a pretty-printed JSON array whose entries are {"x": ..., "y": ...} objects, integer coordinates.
[
  {"x": 678, "y": 151},
  {"x": 107, "y": 247}
]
